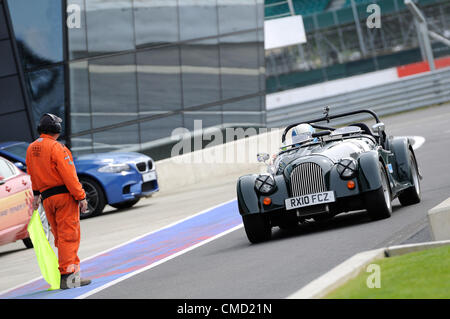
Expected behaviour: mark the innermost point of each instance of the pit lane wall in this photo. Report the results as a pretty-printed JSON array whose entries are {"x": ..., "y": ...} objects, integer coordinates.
[
  {"x": 439, "y": 220},
  {"x": 233, "y": 158}
]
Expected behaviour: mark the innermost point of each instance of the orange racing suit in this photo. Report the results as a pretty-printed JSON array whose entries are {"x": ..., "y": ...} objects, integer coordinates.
[{"x": 50, "y": 165}]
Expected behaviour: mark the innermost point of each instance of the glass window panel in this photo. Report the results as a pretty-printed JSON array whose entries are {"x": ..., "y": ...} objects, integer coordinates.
[
  {"x": 156, "y": 136},
  {"x": 5, "y": 169},
  {"x": 156, "y": 21},
  {"x": 261, "y": 61},
  {"x": 159, "y": 80},
  {"x": 209, "y": 117},
  {"x": 200, "y": 72},
  {"x": 239, "y": 65},
  {"x": 260, "y": 13},
  {"x": 77, "y": 36},
  {"x": 198, "y": 19},
  {"x": 253, "y": 104},
  {"x": 244, "y": 113},
  {"x": 81, "y": 145},
  {"x": 125, "y": 138},
  {"x": 109, "y": 26},
  {"x": 153, "y": 131},
  {"x": 80, "y": 112},
  {"x": 46, "y": 92},
  {"x": 242, "y": 119},
  {"x": 38, "y": 29},
  {"x": 113, "y": 90},
  {"x": 236, "y": 15}
]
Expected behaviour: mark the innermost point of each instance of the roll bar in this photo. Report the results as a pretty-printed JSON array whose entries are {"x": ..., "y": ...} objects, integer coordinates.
[{"x": 327, "y": 118}]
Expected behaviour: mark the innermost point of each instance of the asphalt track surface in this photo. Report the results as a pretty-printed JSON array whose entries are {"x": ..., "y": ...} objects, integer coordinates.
[{"x": 209, "y": 256}]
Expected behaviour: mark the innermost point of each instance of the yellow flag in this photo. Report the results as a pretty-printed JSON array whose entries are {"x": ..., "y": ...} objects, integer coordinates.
[{"x": 47, "y": 260}]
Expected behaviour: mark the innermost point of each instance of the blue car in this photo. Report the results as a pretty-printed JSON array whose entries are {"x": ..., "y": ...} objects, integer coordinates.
[{"x": 117, "y": 179}]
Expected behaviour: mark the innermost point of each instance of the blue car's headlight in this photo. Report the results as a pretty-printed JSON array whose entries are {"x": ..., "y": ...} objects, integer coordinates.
[{"x": 114, "y": 168}]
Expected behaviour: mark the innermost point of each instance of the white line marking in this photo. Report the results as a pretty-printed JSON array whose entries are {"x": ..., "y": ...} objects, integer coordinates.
[
  {"x": 418, "y": 141},
  {"x": 134, "y": 273},
  {"x": 127, "y": 242}
]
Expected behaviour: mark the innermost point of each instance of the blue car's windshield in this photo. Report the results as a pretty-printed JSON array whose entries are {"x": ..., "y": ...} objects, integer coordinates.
[{"x": 18, "y": 150}]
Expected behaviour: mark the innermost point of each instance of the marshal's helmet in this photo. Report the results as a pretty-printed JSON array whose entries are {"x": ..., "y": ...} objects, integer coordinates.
[{"x": 49, "y": 123}]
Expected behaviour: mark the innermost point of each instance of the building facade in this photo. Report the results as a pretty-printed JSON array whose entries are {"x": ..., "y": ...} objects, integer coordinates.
[{"x": 126, "y": 73}]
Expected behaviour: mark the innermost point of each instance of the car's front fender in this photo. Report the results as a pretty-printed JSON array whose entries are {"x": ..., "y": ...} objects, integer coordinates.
[
  {"x": 369, "y": 171},
  {"x": 401, "y": 147},
  {"x": 251, "y": 202}
]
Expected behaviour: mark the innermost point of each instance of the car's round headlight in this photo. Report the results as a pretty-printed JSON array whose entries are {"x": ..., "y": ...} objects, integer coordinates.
[
  {"x": 114, "y": 168},
  {"x": 347, "y": 168},
  {"x": 265, "y": 184}
]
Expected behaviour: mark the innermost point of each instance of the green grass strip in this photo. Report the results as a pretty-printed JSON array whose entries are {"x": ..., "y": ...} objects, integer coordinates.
[{"x": 418, "y": 275}]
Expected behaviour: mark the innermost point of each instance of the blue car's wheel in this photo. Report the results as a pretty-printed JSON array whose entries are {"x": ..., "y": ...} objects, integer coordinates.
[
  {"x": 94, "y": 196},
  {"x": 127, "y": 204}
]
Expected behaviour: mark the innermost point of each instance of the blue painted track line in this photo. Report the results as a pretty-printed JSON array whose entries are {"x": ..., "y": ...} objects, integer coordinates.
[{"x": 140, "y": 253}]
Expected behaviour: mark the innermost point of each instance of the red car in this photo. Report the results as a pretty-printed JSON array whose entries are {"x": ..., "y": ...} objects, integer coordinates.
[{"x": 16, "y": 200}]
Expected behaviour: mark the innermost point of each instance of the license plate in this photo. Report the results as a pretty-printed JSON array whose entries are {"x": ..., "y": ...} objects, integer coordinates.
[
  {"x": 149, "y": 176},
  {"x": 310, "y": 200}
]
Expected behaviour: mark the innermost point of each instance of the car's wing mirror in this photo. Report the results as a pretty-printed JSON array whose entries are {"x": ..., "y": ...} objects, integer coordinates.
[
  {"x": 20, "y": 166},
  {"x": 379, "y": 128},
  {"x": 263, "y": 157},
  {"x": 2, "y": 180}
]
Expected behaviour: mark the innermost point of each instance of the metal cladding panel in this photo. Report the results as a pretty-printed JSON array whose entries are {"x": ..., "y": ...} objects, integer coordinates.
[
  {"x": 3, "y": 26},
  {"x": 14, "y": 127},
  {"x": 14, "y": 117},
  {"x": 10, "y": 95},
  {"x": 7, "y": 64}
]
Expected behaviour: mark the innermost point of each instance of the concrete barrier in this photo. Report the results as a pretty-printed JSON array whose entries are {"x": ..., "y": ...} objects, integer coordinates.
[
  {"x": 339, "y": 275},
  {"x": 439, "y": 219},
  {"x": 352, "y": 267},
  {"x": 233, "y": 158}
]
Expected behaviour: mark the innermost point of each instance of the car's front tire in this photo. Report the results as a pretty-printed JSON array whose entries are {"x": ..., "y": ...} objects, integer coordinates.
[
  {"x": 379, "y": 202},
  {"x": 94, "y": 196},
  {"x": 412, "y": 195},
  {"x": 257, "y": 227}
]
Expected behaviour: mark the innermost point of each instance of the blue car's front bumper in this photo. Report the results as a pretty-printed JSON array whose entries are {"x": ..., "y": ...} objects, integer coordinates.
[{"x": 125, "y": 186}]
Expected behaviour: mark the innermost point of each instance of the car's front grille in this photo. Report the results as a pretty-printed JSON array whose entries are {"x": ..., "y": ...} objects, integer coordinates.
[
  {"x": 150, "y": 165},
  {"x": 142, "y": 166},
  {"x": 307, "y": 178}
]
